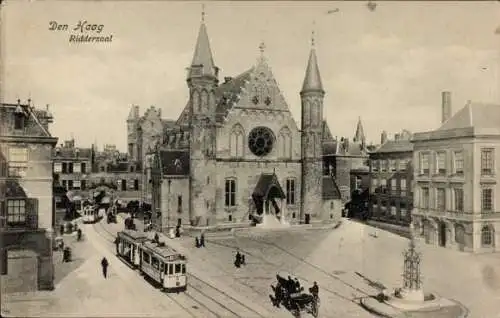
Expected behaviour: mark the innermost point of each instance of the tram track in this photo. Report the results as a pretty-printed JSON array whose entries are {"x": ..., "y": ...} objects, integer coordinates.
[
  {"x": 214, "y": 303},
  {"x": 354, "y": 300}
]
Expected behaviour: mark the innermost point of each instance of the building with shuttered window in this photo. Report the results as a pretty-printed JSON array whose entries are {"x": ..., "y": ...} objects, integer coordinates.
[{"x": 26, "y": 199}]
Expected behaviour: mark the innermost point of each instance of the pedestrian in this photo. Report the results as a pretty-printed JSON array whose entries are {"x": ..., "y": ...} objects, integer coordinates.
[
  {"x": 177, "y": 231},
  {"x": 202, "y": 240},
  {"x": 314, "y": 290},
  {"x": 243, "y": 259},
  {"x": 104, "y": 264},
  {"x": 61, "y": 229},
  {"x": 196, "y": 242},
  {"x": 156, "y": 238}
]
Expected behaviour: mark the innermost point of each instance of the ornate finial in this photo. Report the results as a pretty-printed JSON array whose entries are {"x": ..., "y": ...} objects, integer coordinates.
[
  {"x": 313, "y": 34},
  {"x": 262, "y": 47},
  {"x": 203, "y": 13}
]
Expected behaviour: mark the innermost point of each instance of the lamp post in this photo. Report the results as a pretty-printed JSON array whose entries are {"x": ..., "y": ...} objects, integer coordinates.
[{"x": 168, "y": 205}]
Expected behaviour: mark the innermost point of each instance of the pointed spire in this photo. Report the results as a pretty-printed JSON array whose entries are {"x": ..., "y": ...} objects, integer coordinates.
[
  {"x": 312, "y": 80},
  {"x": 359, "y": 136},
  {"x": 203, "y": 58}
]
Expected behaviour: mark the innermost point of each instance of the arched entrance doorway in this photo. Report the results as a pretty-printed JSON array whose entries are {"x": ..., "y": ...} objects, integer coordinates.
[
  {"x": 442, "y": 234},
  {"x": 266, "y": 195}
]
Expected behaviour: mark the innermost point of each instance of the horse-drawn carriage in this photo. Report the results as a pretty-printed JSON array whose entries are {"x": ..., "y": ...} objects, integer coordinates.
[{"x": 289, "y": 294}]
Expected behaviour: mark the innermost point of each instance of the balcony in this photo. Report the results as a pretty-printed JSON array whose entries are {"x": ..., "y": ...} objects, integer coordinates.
[{"x": 457, "y": 215}]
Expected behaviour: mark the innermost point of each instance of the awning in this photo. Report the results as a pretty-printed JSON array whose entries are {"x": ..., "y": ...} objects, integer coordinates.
[
  {"x": 14, "y": 190},
  {"x": 268, "y": 186}
]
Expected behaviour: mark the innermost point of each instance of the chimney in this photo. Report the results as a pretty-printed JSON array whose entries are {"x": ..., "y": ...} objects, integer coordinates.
[
  {"x": 383, "y": 137},
  {"x": 445, "y": 106},
  {"x": 227, "y": 79}
]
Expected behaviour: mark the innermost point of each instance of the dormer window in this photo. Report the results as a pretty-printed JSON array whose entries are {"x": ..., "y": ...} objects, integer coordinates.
[{"x": 19, "y": 118}]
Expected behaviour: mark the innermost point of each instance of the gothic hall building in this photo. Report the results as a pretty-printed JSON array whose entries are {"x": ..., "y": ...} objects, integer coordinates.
[{"x": 237, "y": 155}]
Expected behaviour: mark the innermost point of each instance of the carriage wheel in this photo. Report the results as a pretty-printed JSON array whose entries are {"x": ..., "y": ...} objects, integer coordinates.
[{"x": 314, "y": 308}]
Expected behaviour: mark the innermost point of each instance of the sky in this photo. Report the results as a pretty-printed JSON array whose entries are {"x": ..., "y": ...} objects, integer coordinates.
[{"x": 388, "y": 66}]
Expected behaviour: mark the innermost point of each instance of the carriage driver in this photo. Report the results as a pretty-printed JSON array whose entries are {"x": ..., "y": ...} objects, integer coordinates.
[{"x": 314, "y": 290}]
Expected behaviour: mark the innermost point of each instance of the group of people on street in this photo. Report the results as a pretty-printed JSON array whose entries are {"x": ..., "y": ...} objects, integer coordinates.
[
  {"x": 199, "y": 242},
  {"x": 286, "y": 287},
  {"x": 239, "y": 259}
]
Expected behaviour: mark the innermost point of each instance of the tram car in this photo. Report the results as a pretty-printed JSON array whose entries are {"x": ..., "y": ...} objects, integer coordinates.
[
  {"x": 128, "y": 244},
  {"x": 89, "y": 214},
  {"x": 164, "y": 265}
]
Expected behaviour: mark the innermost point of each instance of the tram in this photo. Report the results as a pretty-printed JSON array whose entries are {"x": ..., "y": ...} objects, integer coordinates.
[
  {"x": 128, "y": 243},
  {"x": 164, "y": 265},
  {"x": 89, "y": 214},
  {"x": 161, "y": 263}
]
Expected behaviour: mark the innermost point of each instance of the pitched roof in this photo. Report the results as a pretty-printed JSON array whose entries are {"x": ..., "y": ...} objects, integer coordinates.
[
  {"x": 65, "y": 152},
  {"x": 401, "y": 145},
  {"x": 226, "y": 95},
  {"x": 341, "y": 148},
  {"x": 203, "y": 54},
  {"x": 331, "y": 190},
  {"x": 476, "y": 115},
  {"x": 14, "y": 189},
  {"x": 266, "y": 182},
  {"x": 312, "y": 79},
  {"x": 360, "y": 133}
]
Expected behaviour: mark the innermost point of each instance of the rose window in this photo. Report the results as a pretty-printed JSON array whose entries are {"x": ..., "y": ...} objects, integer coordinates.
[{"x": 260, "y": 141}]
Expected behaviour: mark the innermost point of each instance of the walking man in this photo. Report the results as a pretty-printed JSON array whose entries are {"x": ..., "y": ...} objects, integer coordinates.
[{"x": 104, "y": 264}]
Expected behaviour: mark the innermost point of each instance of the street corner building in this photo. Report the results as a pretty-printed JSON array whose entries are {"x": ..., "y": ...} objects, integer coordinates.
[
  {"x": 26, "y": 198},
  {"x": 456, "y": 201},
  {"x": 236, "y": 154}
]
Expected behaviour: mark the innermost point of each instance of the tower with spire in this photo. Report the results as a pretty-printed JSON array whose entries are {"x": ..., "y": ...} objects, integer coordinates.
[
  {"x": 359, "y": 136},
  {"x": 202, "y": 81},
  {"x": 311, "y": 95}
]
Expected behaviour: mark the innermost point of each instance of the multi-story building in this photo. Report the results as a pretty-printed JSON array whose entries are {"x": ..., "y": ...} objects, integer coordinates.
[
  {"x": 26, "y": 200},
  {"x": 236, "y": 153},
  {"x": 73, "y": 165},
  {"x": 391, "y": 174},
  {"x": 457, "y": 196},
  {"x": 344, "y": 158},
  {"x": 121, "y": 175}
]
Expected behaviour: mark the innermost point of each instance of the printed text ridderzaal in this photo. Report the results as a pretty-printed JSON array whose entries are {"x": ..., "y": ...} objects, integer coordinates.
[{"x": 82, "y": 32}]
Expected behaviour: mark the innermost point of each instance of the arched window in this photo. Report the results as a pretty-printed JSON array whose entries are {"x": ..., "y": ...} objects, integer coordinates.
[
  {"x": 204, "y": 101},
  {"x": 195, "y": 99},
  {"x": 236, "y": 141},
  {"x": 285, "y": 143},
  {"x": 486, "y": 236}
]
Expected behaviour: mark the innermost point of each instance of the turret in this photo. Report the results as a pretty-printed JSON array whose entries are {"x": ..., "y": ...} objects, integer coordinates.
[
  {"x": 202, "y": 77},
  {"x": 359, "y": 136},
  {"x": 312, "y": 95},
  {"x": 202, "y": 81}
]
